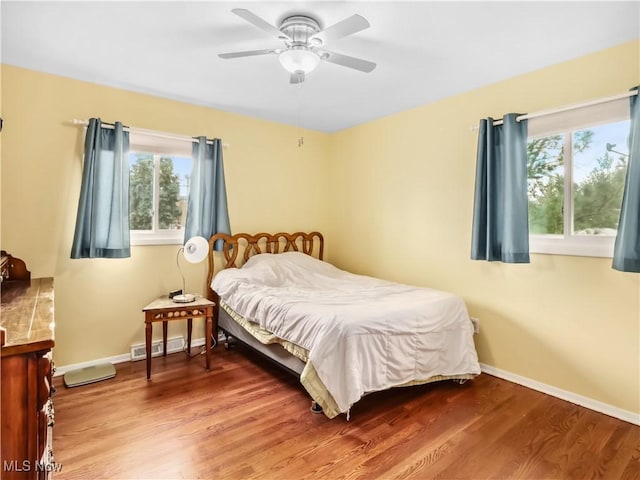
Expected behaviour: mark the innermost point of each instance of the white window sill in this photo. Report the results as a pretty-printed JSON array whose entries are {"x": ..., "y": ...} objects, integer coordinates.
[
  {"x": 575, "y": 245},
  {"x": 173, "y": 237}
]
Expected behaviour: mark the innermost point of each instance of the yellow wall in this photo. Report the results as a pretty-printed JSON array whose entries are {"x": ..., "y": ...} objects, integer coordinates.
[
  {"x": 272, "y": 185},
  {"x": 403, "y": 199},
  {"x": 394, "y": 198}
]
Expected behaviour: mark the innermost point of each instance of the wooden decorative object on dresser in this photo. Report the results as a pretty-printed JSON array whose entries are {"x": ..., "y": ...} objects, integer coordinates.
[{"x": 26, "y": 340}]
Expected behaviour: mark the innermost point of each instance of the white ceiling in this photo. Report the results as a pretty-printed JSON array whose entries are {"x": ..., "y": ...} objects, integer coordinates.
[{"x": 425, "y": 51}]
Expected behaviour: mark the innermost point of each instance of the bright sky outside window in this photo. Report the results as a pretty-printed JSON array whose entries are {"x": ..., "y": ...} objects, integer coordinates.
[
  {"x": 576, "y": 168},
  {"x": 159, "y": 177}
]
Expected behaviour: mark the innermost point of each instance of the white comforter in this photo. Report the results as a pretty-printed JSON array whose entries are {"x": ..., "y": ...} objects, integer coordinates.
[{"x": 363, "y": 334}]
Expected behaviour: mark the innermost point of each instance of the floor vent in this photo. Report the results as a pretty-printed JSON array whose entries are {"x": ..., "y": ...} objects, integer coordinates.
[{"x": 139, "y": 352}]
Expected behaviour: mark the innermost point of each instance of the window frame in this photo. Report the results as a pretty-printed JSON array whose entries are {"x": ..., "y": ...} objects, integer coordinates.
[
  {"x": 158, "y": 146},
  {"x": 565, "y": 123}
]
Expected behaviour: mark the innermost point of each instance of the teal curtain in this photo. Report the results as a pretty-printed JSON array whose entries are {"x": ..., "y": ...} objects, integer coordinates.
[
  {"x": 207, "y": 212},
  {"x": 102, "y": 222},
  {"x": 500, "y": 214},
  {"x": 626, "y": 252}
]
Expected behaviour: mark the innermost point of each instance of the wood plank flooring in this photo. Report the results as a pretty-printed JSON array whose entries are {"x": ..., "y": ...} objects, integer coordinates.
[{"x": 248, "y": 420}]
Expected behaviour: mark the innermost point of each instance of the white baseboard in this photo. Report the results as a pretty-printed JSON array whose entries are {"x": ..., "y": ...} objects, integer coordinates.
[
  {"x": 76, "y": 366},
  {"x": 586, "y": 402},
  {"x": 196, "y": 342}
]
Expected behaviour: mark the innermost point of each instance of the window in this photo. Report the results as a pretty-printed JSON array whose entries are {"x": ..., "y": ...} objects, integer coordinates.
[
  {"x": 159, "y": 175},
  {"x": 577, "y": 163}
]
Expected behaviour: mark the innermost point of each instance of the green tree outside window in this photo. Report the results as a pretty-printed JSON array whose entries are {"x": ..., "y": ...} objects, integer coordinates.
[
  {"x": 597, "y": 196},
  {"x": 170, "y": 213}
]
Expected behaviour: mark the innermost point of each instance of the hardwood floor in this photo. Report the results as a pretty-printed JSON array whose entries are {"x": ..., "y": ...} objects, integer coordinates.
[{"x": 247, "y": 420}]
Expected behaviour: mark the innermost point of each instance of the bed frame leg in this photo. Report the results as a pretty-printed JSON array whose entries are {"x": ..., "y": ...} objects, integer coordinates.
[
  {"x": 228, "y": 341},
  {"x": 315, "y": 407}
]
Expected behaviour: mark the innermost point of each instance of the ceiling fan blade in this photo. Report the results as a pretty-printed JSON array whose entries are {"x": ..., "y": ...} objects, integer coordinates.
[
  {"x": 260, "y": 23},
  {"x": 348, "y": 26},
  {"x": 296, "y": 78},
  {"x": 249, "y": 53},
  {"x": 347, "y": 61}
]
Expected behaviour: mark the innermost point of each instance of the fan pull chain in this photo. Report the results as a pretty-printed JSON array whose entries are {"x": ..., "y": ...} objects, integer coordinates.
[{"x": 299, "y": 95}]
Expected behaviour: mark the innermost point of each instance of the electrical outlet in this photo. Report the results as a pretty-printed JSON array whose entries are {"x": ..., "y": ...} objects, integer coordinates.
[{"x": 476, "y": 324}]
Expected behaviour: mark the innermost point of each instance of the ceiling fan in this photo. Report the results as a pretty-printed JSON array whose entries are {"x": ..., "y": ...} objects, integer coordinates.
[{"x": 304, "y": 43}]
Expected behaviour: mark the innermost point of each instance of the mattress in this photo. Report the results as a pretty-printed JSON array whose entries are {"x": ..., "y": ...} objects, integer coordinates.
[
  {"x": 262, "y": 341},
  {"x": 362, "y": 334}
]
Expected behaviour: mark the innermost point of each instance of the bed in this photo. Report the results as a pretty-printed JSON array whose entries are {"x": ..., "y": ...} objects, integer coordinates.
[{"x": 344, "y": 335}]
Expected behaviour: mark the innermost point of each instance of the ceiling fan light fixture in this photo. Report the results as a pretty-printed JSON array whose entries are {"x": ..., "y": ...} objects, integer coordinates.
[
  {"x": 299, "y": 60},
  {"x": 302, "y": 36}
]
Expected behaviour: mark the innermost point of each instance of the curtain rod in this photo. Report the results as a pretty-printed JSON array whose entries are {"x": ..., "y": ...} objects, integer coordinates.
[
  {"x": 153, "y": 133},
  {"x": 566, "y": 108}
]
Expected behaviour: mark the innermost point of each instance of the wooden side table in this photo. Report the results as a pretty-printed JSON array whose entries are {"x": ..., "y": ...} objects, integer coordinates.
[{"x": 163, "y": 309}]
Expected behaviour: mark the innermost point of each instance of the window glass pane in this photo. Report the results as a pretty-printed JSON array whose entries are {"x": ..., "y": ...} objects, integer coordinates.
[
  {"x": 600, "y": 156},
  {"x": 545, "y": 186},
  {"x": 174, "y": 192},
  {"x": 140, "y": 191}
]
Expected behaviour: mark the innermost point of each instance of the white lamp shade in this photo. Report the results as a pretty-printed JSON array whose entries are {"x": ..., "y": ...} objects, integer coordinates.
[
  {"x": 196, "y": 249},
  {"x": 299, "y": 60}
]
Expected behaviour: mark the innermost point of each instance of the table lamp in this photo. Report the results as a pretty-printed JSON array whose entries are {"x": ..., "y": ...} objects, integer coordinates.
[{"x": 194, "y": 251}]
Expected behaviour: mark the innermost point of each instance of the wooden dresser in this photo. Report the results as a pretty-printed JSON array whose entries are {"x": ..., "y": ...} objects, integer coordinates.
[{"x": 26, "y": 339}]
